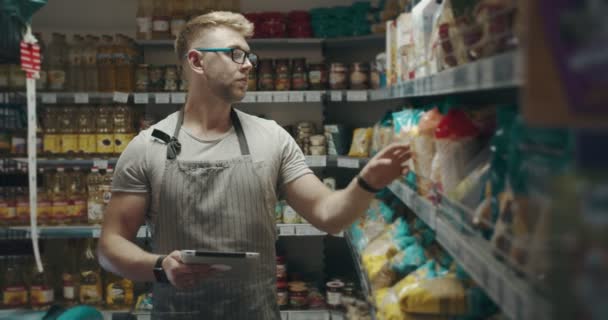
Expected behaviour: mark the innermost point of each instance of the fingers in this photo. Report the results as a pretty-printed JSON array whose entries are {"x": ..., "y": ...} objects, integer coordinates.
[{"x": 397, "y": 148}]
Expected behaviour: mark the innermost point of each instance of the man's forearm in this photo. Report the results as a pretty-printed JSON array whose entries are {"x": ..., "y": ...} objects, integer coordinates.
[
  {"x": 341, "y": 208},
  {"x": 123, "y": 257}
]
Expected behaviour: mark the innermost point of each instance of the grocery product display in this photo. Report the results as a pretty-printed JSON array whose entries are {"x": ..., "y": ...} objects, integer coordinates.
[{"x": 473, "y": 228}]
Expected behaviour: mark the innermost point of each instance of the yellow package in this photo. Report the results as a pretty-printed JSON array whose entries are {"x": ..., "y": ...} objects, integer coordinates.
[
  {"x": 387, "y": 305},
  {"x": 440, "y": 296},
  {"x": 360, "y": 146},
  {"x": 380, "y": 250}
]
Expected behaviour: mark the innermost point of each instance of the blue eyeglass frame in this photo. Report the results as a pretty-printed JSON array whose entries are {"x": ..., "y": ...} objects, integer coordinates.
[{"x": 231, "y": 55}]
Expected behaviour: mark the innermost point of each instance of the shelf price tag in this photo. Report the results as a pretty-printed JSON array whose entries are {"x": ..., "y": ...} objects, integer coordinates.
[
  {"x": 281, "y": 97},
  {"x": 348, "y": 163},
  {"x": 140, "y": 98},
  {"x": 121, "y": 97},
  {"x": 265, "y": 97},
  {"x": 336, "y": 95},
  {"x": 101, "y": 164},
  {"x": 249, "y": 97},
  {"x": 316, "y": 161},
  {"x": 296, "y": 96},
  {"x": 287, "y": 231},
  {"x": 472, "y": 76},
  {"x": 313, "y": 96},
  {"x": 81, "y": 98},
  {"x": 178, "y": 97},
  {"x": 162, "y": 98},
  {"x": 356, "y": 95},
  {"x": 49, "y": 98},
  {"x": 96, "y": 232},
  {"x": 487, "y": 73}
]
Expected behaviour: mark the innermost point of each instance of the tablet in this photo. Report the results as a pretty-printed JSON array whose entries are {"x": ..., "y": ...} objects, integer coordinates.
[{"x": 222, "y": 261}]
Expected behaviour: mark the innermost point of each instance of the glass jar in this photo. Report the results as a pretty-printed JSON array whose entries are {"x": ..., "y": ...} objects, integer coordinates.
[
  {"x": 283, "y": 75},
  {"x": 170, "y": 84},
  {"x": 266, "y": 75},
  {"x": 298, "y": 295},
  {"x": 374, "y": 81},
  {"x": 334, "y": 294},
  {"x": 338, "y": 76},
  {"x": 282, "y": 295},
  {"x": 155, "y": 78},
  {"x": 141, "y": 78},
  {"x": 281, "y": 268},
  {"x": 359, "y": 76},
  {"x": 317, "y": 76},
  {"x": 299, "y": 76}
]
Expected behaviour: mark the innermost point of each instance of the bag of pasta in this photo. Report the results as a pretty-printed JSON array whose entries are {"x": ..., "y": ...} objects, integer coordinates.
[
  {"x": 385, "y": 246},
  {"x": 383, "y": 134},
  {"x": 423, "y": 149},
  {"x": 362, "y": 138}
]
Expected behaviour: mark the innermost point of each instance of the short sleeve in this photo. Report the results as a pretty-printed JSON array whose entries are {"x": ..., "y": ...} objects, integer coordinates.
[
  {"x": 130, "y": 172},
  {"x": 293, "y": 163}
]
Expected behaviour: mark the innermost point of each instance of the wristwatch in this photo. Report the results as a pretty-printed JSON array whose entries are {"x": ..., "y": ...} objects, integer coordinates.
[{"x": 159, "y": 272}]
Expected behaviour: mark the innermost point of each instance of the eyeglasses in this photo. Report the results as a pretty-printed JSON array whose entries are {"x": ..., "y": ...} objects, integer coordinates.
[{"x": 238, "y": 55}]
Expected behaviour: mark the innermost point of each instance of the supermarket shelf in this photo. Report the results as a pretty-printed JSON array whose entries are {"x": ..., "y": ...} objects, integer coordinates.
[
  {"x": 94, "y": 231},
  {"x": 145, "y": 315},
  {"x": 311, "y": 161},
  {"x": 503, "y": 71},
  {"x": 336, "y": 162},
  {"x": 517, "y": 299},
  {"x": 340, "y": 42},
  {"x": 363, "y": 280}
]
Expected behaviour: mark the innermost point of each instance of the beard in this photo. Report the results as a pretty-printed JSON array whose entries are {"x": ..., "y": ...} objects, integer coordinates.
[{"x": 231, "y": 93}]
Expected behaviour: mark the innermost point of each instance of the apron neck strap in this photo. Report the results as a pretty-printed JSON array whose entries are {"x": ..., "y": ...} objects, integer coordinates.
[{"x": 236, "y": 122}]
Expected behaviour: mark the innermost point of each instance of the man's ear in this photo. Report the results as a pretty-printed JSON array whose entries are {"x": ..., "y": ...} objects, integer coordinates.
[{"x": 195, "y": 62}]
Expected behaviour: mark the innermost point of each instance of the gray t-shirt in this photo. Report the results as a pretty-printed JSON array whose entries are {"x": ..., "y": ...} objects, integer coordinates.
[{"x": 141, "y": 166}]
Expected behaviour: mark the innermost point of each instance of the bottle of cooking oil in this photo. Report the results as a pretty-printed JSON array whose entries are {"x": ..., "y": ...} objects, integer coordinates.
[
  {"x": 23, "y": 202},
  {"x": 3, "y": 205},
  {"x": 10, "y": 194},
  {"x": 144, "y": 19},
  {"x": 14, "y": 290},
  {"x": 57, "y": 192},
  {"x": 105, "y": 131},
  {"x": 95, "y": 200},
  {"x": 69, "y": 274},
  {"x": 90, "y": 63},
  {"x": 75, "y": 67},
  {"x": 77, "y": 198},
  {"x": 161, "y": 21},
  {"x": 91, "y": 289},
  {"x": 122, "y": 64},
  {"x": 87, "y": 140},
  {"x": 105, "y": 186},
  {"x": 43, "y": 204},
  {"x": 123, "y": 128},
  {"x": 57, "y": 63},
  {"x": 119, "y": 292},
  {"x": 105, "y": 65},
  {"x": 51, "y": 143},
  {"x": 41, "y": 82},
  {"x": 68, "y": 131},
  {"x": 42, "y": 295}
]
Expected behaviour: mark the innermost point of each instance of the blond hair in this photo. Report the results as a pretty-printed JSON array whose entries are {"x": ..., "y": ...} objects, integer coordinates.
[{"x": 196, "y": 26}]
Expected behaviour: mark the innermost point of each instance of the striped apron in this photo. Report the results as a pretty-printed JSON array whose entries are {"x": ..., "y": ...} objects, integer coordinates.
[{"x": 217, "y": 206}]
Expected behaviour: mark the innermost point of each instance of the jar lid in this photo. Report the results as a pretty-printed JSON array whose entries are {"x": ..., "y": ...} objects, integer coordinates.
[{"x": 335, "y": 284}]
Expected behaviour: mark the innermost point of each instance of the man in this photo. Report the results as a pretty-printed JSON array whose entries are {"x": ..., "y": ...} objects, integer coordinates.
[{"x": 208, "y": 177}]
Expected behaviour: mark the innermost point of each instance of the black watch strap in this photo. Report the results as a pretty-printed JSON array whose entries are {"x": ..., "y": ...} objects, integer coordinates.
[
  {"x": 159, "y": 272},
  {"x": 366, "y": 186}
]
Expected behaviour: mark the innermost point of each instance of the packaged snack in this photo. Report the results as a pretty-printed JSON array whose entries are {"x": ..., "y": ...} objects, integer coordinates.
[
  {"x": 405, "y": 46},
  {"x": 457, "y": 32},
  {"x": 456, "y": 145},
  {"x": 423, "y": 148},
  {"x": 383, "y": 134},
  {"x": 405, "y": 124},
  {"x": 361, "y": 143},
  {"x": 422, "y": 20},
  {"x": 495, "y": 19}
]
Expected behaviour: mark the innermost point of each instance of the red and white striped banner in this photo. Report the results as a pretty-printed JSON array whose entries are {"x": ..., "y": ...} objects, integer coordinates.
[{"x": 30, "y": 59}]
